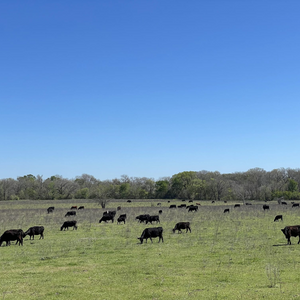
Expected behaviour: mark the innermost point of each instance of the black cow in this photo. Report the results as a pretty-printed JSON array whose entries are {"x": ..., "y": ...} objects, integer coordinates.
[
  {"x": 110, "y": 213},
  {"x": 106, "y": 218},
  {"x": 12, "y": 235},
  {"x": 172, "y": 206},
  {"x": 266, "y": 207},
  {"x": 158, "y": 204},
  {"x": 122, "y": 218},
  {"x": 181, "y": 205},
  {"x": 80, "y": 207},
  {"x": 70, "y": 213},
  {"x": 277, "y": 218},
  {"x": 193, "y": 208},
  {"x": 68, "y": 224},
  {"x": 290, "y": 231},
  {"x": 283, "y": 203},
  {"x": 152, "y": 219},
  {"x": 36, "y": 230},
  {"x": 119, "y": 208},
  {"x": 142, "y": 218},
  {"x": 237, "y": 205},
  {"x": 295, "y": 205},
  {"x": 248, "y": 203},
  {"x": 160, "y": 211},
  {"x": 50, "y": 209},
  {"x": 226, "y": 210},
  {"x": 129, "y": 201},
  {"x": 182, "y": 225},
  {"x": 150, "y": 233},
  {"x": 191, "y": 201}
]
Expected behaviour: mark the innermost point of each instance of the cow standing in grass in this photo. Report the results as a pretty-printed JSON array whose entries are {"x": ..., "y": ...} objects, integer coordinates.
[
  {"x": 36, "y": 230},
  {"x": 182, "y": 225},
  {"x": 290, "y": 231},
  {"x": 150, "y": 233},
  {"x": 12, "y": 235},
  {"x": 68, "y": 224}
]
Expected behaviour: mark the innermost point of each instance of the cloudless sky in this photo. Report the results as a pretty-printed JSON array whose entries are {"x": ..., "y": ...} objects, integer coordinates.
[{"x": 148, "y": 88}]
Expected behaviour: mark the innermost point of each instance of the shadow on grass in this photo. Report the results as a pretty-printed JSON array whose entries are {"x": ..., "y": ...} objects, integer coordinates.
[{"x": 281, "y": 245}]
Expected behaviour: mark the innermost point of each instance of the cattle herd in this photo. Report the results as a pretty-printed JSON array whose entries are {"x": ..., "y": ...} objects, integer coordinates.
[{"x": 148, "y": 233}]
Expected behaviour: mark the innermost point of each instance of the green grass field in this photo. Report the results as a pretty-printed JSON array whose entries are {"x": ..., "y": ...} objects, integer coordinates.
[{"x": 240, "y": 255}]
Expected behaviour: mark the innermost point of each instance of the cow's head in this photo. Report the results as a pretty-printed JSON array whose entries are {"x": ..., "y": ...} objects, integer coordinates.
[
  {"x": 141, "y": 240},
  {"x": 284, "y": 232}
]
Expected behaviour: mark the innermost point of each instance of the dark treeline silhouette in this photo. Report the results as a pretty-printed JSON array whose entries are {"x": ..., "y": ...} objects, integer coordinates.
[{"x": 255, "y": 184}]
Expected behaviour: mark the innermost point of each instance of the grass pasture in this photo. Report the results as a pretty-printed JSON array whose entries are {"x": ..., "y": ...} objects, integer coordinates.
[{"x": 240, "y": 255}]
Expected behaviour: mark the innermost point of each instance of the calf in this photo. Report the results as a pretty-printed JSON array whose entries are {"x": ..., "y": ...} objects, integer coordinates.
[
  {"x": 290, "y": 231},
  {"x": 74, "y": 207},
  {"x": 142, "y": 218},
  {"x": 152, "y": 219},
  {"x": 193, "y": 208},
  {"x": 266, "y": 207},
  {"x": 182, "y": 225},
  {"x": 50, "y": 209},
  {"x": 36, "y": 230},
  {"x": 122, "y": 218},
  {"x": 277, "y": 218},
  {"x": 12, "y": 235},
  {"x": 70, "y": 213},
  {"x": 226, "y": 210},
  {"x": 106, "y": 218},
  {"x": 68, "y": 224},
  {"x": 150, "y": 233}
]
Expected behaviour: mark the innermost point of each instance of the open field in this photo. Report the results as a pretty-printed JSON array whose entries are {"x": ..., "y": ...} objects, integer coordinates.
[{"x": 240, "y": 255}]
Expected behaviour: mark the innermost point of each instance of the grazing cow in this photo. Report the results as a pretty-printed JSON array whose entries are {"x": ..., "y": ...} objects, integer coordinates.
[
  {"x": 191, "y": 201},
  {"x": 74, "y": 207},
  {"x": 266, "y": 207},
  {"x": 50, "y": 209},
  {"x": 122, "y": 218},
  {"x": 129, "y": 201},
  {"x": 70, "y": 213},
  {"x": 226, "y": 210},
  {"x": 290, "y": 231},
  {"x": 158, "y": 204},
  {"x": 80, "y": 207},
  {"x": 160, "y": 211},
  {"x": 12, "y": 235},
  {"x": 295, "y": 205},
  {"x": 237, "y": 205},
  {"x": 182, "y": 225},
  {"x": 106, "y": 218},
  {"x": 183, "y": 200},
  {"x": 153, "y": 219},
  {"x": 142, "y": 218},
  {"x": 36, "y": 230},
  {"x": 193, "y": 208},
  {"x": 277, "y": 218},
  {"x": 181, "y": 205},
  {"x": 225, "y": 201},
  {"x": 213, "y": 201},
  {"x": 172, "y": 206},
  {"x": 248, "y": 203},
  {"x": 169, "y": 201},
  {"x": 150, "y": 233},
  {"x": 119, "y": 208},
  {"x": 68, "y": 224},
  {"x": 198, "y": 204},
  {"x": 283, "y": 203},
  {"x": 109, "y": 213}
]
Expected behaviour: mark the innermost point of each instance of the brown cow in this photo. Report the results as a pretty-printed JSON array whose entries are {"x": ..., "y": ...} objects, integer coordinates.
[
  {"x": 289, "y": 231},
  {"x": 74, "y": 207}
]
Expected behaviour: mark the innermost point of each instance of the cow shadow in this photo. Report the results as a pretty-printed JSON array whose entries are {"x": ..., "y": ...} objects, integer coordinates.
[{"x": 280, "y": 245}]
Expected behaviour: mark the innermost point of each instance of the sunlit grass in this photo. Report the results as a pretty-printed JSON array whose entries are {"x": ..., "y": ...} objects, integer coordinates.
[{"x": 240, "y": 255}]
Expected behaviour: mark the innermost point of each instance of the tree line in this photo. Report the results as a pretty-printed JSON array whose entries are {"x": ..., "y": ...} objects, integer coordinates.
[{"x": 254, "y": 184}]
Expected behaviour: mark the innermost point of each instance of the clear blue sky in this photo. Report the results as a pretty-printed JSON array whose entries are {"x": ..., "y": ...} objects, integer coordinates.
[{"x": 148, "y": 88}]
